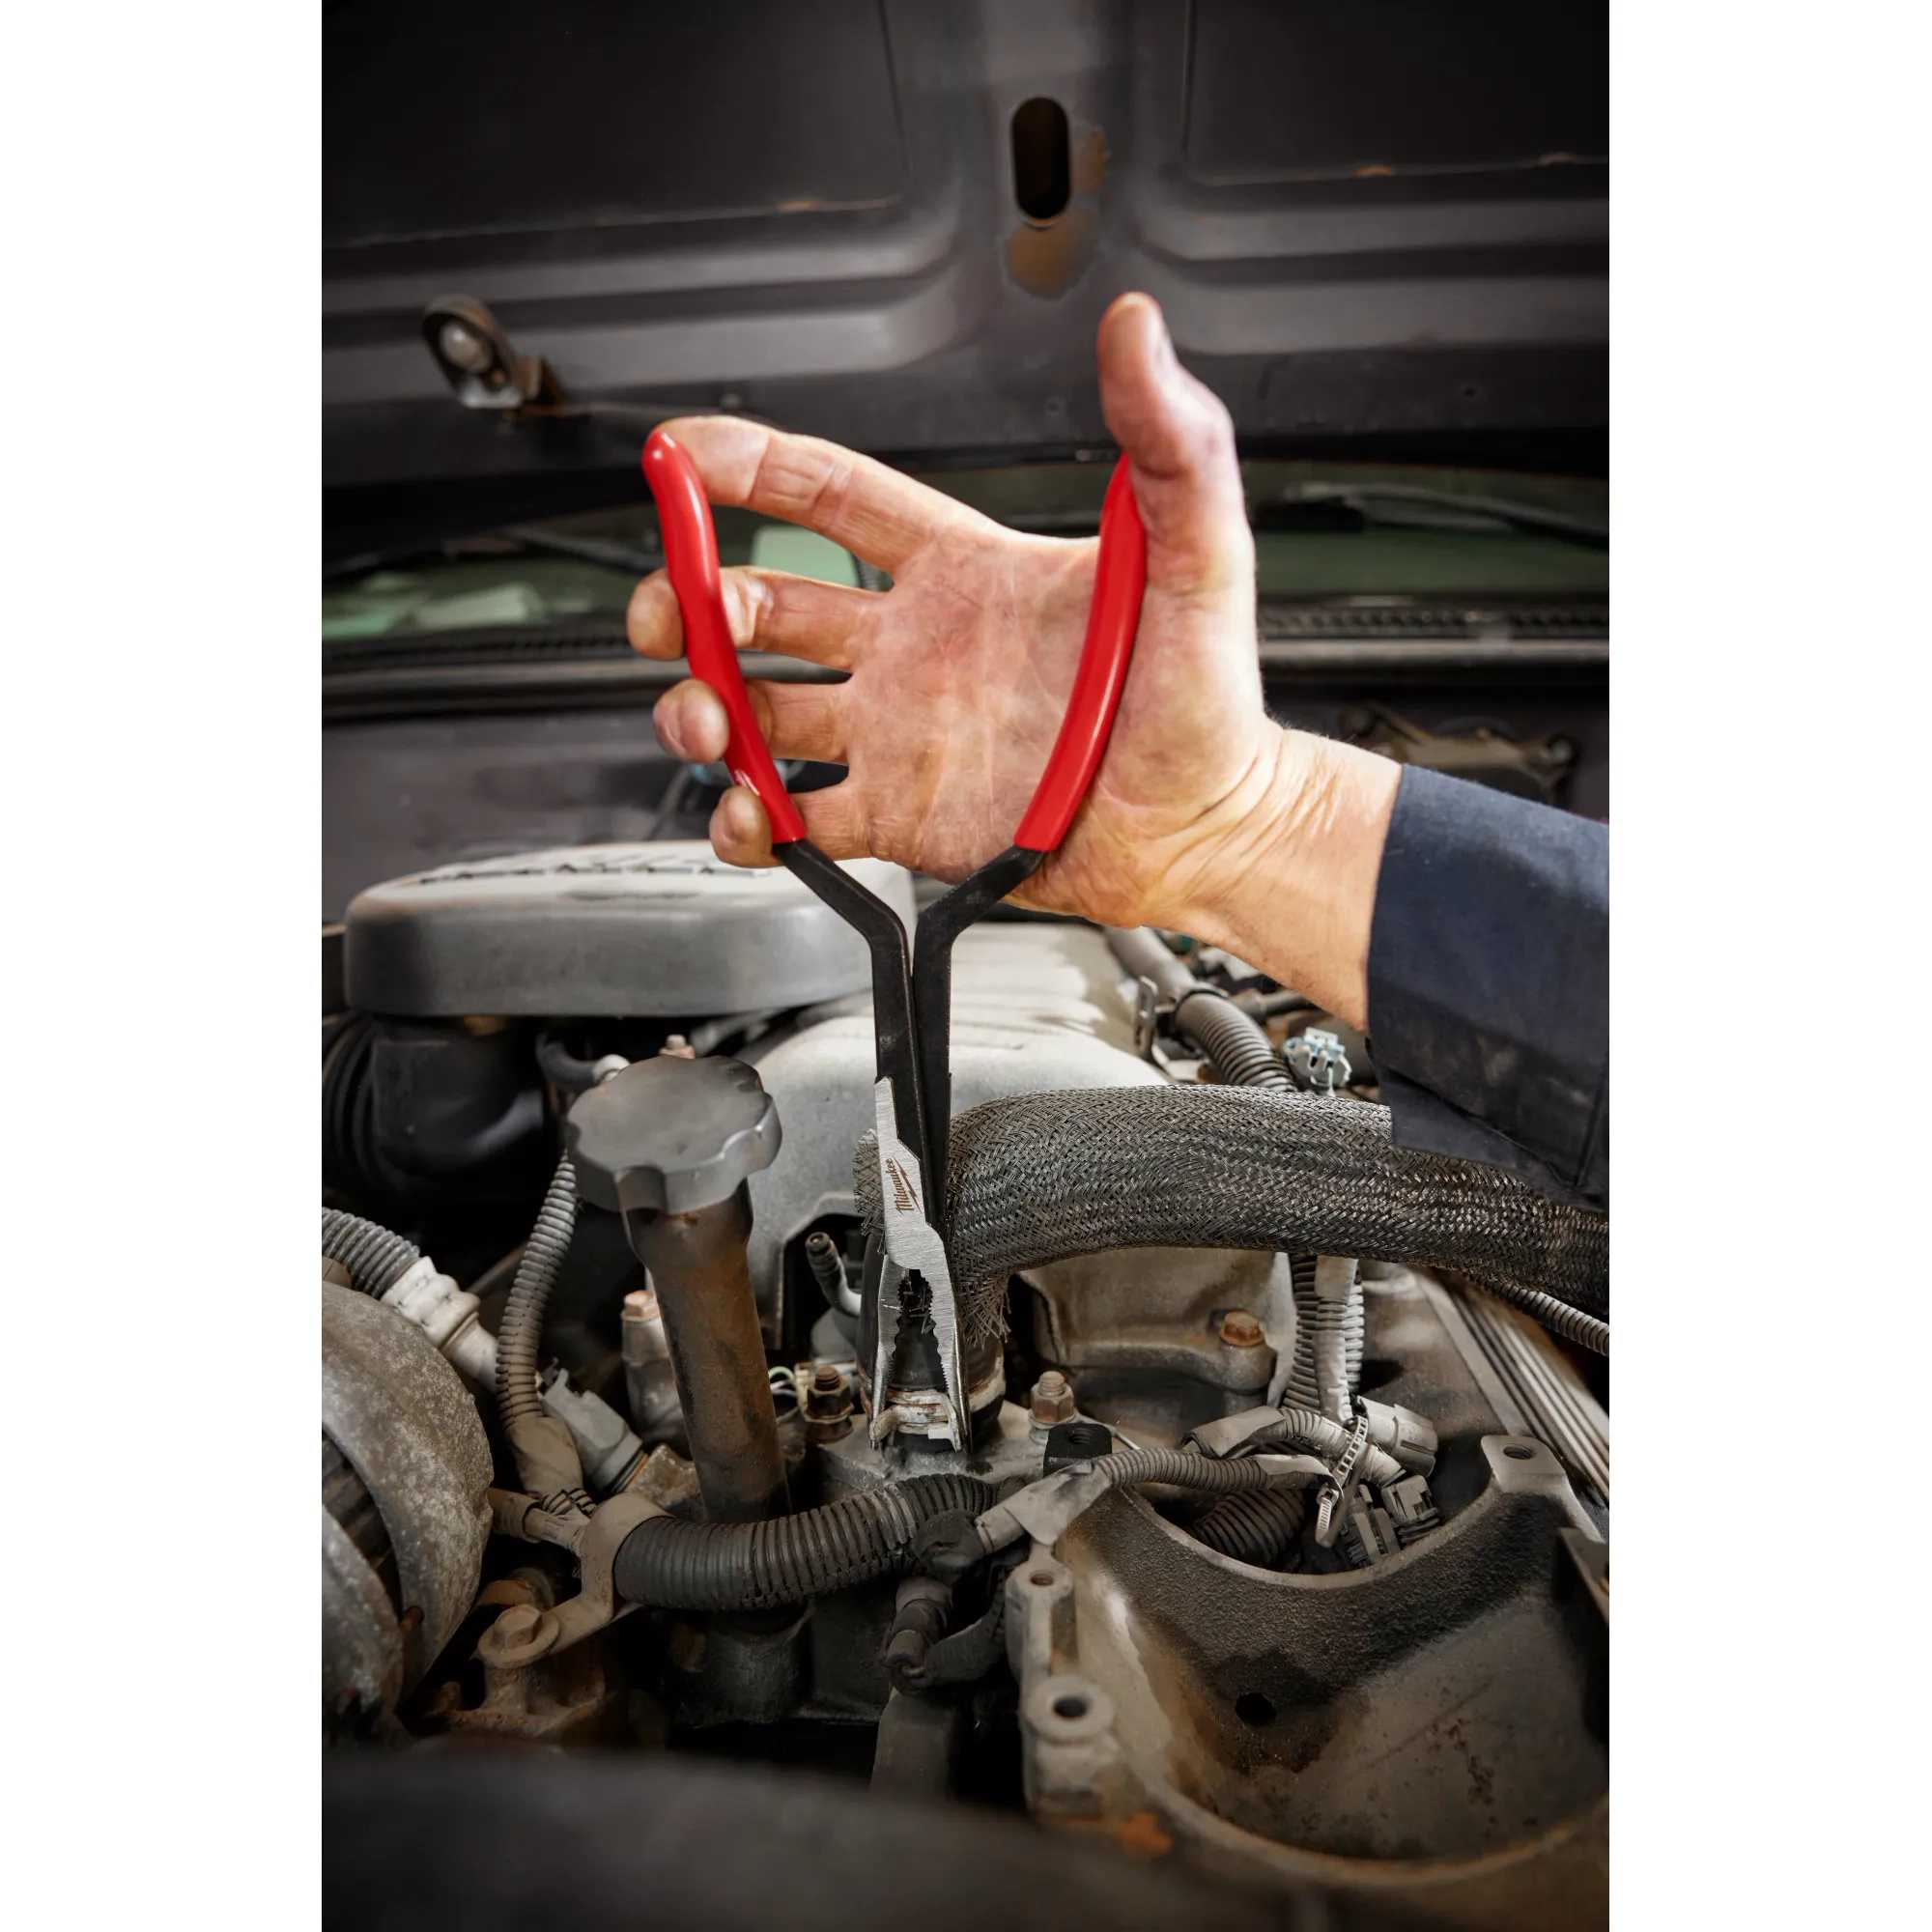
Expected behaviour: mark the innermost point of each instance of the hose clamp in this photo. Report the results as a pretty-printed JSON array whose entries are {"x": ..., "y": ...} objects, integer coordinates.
[
  {"x": 1335, "y": 1493},
  {"x": 1149, "y": 1010}
]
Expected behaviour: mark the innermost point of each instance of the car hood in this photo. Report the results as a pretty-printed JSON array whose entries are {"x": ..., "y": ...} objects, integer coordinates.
[{"x": 896, "y": 222}]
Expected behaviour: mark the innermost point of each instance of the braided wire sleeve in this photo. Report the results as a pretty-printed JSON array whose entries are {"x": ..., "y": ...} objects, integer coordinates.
[
  {"x": 746, "y": 1566},
  {"x": 376, "y": 1259},
  {"x": 1036, "y": 1177}
]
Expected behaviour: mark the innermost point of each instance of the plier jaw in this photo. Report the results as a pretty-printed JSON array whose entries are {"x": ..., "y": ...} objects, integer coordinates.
[{"x": 912, "y": 986}]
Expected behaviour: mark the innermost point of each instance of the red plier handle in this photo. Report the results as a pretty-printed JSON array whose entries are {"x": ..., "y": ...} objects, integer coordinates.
[
  {"x": 912, "y": 989},
  {"x": 691, "y": 552}
]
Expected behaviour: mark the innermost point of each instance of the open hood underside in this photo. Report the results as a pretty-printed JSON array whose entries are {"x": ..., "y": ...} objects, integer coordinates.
[{"x": 1380, "y": 221}]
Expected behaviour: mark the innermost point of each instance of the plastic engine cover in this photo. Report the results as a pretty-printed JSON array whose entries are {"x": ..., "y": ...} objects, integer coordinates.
[{"x": 665, "y": 929}]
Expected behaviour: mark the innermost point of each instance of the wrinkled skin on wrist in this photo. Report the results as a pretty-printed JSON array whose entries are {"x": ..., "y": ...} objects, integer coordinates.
[{"x": 960, "y": 672}]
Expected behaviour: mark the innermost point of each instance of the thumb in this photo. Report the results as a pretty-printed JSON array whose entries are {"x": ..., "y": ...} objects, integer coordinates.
[{"x": 1181, "y": 441}]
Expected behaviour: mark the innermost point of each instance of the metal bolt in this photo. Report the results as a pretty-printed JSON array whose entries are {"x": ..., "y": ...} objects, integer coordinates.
[
  {"x": 828, "y": 1398},
  {"x": 517, "y": 1637},
  {"x": 463, "y": 346},
  {"x": 1241, "y": 1330},
  {"x": 517, "y": 1624},
  {"x": 1053, "y": 1398}
]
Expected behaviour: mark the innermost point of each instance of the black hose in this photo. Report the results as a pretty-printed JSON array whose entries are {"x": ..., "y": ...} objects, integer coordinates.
[
  {"x": 1558, "y": 1316},
  {"x": 376, "y": 1259},
  {"x": 675, "y": 1565},
  {"x": 1235, "y": 1046},
  {"x": 1314, "y": 1434},
  {"x": 563, "y": 1068},
  {"x": 1254, "y": 1526},
  {"x": 519, "y": 1334},
  {"x": 828, "y": 1270},
  {"x": 1233, "y": 1043},
  {"x": 1181, "y": 1469},
  {"x": 1143, "y": 954}
]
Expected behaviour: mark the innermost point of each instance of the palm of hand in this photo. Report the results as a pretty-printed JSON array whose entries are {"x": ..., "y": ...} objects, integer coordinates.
[
  {"x": 959, "y": 677},
  {"x": 956, "y": 696}
]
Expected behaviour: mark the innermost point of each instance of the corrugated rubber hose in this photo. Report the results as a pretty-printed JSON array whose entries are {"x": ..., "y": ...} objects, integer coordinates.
[
  {"x": 1316, "y": 1435},
  {"x": 1558, "y": 1316},
  {"x": 374, "y": 1257},
  {"x": 1037, "y": 1178},
  {"x": 675, "y": 1565},
  {"x": 520, "y": 1335},
  {"x": 1237, "y": 1047},
  {"x": 1331, "y": 1325},
  {"x": 1254, "y": 1526}
]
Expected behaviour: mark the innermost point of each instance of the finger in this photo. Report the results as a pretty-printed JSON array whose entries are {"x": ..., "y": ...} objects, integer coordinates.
[
  {"x": 801, "y": 721},
  {"x": 1181, "y": 441},
  {"x": 690, "y": 723},
  {"x": 797, "y": 720},
  {"x": 835, "y": 821},
  {"x": 764, "y": 609},
  {"x": 876, "y": 513},
  {"x": 741, "y": 834}
]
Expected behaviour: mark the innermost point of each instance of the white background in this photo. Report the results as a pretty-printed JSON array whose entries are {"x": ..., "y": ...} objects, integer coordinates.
[{"x": 158, "y": 391}]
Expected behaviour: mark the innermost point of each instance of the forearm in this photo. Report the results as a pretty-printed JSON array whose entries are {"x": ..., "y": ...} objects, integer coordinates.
[
  {"x": 1465, "y": 931},
  {"x": 1289, "y": 881}
]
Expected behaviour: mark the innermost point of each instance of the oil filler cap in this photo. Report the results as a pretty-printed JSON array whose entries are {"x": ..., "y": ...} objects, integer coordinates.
[{"x": 670, "y": 1135}]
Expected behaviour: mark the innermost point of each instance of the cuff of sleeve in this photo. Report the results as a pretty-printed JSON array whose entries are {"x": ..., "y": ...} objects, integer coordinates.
[
  {"x": 1488, "y": 979},
  {"x": 1418, "y": 1119}
]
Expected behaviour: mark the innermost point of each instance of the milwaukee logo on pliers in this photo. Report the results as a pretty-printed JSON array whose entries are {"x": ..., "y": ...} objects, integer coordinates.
[{"x": 905, "y": 1196}]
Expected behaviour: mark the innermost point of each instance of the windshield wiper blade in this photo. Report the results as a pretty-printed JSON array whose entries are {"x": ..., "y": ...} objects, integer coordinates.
[
  {"x": 587, "y": 549},
  {"x": 1373, "y": 502},
  {"x": 521, "y": 536}
]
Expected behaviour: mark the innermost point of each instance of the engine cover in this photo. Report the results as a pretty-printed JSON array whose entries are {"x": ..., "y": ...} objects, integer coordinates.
[{"x": 660, "y": 930}]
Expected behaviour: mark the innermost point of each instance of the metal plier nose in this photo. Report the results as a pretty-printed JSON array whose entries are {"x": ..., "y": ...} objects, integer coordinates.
[{"x": 912, "y": 987}]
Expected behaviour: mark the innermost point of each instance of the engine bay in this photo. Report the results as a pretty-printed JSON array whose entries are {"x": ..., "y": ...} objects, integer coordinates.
[{"x": 1272, "y": 1544}]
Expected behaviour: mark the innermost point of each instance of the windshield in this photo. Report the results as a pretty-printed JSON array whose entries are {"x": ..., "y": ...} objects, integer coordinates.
[{"x": 1324, "y": 533}]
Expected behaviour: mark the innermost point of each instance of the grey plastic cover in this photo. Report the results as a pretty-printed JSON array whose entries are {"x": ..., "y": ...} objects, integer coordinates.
[{"x": 664, "y": 929}]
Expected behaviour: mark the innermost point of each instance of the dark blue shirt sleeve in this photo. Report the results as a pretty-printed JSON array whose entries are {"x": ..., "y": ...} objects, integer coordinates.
[{"x": 1488, "y": 983}]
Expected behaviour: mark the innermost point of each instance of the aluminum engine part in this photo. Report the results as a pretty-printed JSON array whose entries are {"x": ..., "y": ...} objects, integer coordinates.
[
  {"x": 1142, "y": 1331},
  {"x": 1034, "y": 1007},
  {"x": 665, "y": 928},
  {"x": 1431, "y": 1731},
  {"x": 1531, "y": 1385},
  {"x": 402, "y": 1420},
  {"x": 1429, "y": 1728}
]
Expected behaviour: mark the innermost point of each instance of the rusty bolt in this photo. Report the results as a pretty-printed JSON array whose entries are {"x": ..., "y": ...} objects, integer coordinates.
[
  {"x": 1053, "y": 1398},
  {"x": 517, "y": 1624},
  {"x": 829, "y": 1395},
  {"x": 1241, "y": 1330},
  {"x": 678, "y": 1047},
  {"x": 519, "y": 1635}
]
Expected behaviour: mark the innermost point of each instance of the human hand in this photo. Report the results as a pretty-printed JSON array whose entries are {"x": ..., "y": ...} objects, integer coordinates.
[{"x": 1203, "y": 816}]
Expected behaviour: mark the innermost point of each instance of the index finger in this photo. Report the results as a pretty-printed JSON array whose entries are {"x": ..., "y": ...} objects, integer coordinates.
[{"x": 876, "y": 513}]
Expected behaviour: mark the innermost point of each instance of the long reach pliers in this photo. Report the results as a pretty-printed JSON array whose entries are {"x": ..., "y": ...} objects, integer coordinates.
[{"x": 912, "y": 988}]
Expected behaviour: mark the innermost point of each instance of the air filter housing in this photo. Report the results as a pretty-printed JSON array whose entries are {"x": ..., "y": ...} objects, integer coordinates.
[{"x": 665, "y": 929}]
